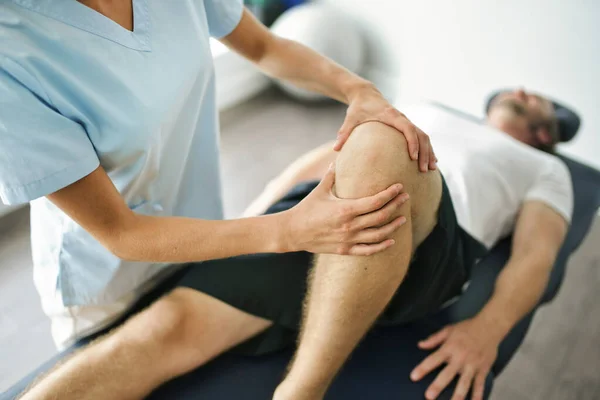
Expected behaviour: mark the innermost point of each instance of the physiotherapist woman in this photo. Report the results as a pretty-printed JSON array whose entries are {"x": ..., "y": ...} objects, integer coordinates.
[{"x": 109, "y": 128}]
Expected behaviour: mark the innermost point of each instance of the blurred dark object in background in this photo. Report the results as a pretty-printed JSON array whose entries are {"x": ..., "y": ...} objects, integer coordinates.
[{"x": 267, "y": 11}]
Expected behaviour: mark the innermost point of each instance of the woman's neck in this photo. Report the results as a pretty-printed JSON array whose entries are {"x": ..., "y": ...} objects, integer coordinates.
[{"x": 120, "y": 11}]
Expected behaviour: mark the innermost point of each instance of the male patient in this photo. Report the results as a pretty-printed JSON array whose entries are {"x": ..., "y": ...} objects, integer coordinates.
[{"x": 495, "y": 182}]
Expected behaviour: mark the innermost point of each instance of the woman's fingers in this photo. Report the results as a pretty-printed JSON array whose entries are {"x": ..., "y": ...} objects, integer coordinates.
[
  {"x": 372, "y": 203},
  {"x": 410, "y": 132},
  {"x": 378, "y": 235},
  {"x": 424, "y": 152},
  {"x": 375, "y": 240},
  {"x": 328, "y": 180},
  {"x": 432, "y": 159},
  {"x": 344, "y": 133},
  {"x": 370, "y": 249},
  {"x": 381, "y": 216}
]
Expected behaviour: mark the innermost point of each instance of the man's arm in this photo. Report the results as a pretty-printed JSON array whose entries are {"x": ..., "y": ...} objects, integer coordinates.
[
  {"x": 538, "y": 237},
  {"x": 469, "y": 348},
  {"x": 296, "y": 63}
]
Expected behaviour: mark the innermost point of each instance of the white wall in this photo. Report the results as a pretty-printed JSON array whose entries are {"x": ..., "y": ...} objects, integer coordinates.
[{"x": 457, "y": 51}]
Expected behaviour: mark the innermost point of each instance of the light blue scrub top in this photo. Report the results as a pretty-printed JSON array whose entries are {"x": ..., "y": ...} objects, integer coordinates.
[{"x": 78, "y": 90}]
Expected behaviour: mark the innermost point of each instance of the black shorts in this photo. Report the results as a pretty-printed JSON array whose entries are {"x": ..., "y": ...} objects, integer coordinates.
[{"x": 273, "y": 286}]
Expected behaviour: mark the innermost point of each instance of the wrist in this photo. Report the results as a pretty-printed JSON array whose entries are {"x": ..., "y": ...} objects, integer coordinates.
[
  {"x": 283, "y": 237},
  {"x": 355, "y": 87},
  {"x": 495, "y": 327}
]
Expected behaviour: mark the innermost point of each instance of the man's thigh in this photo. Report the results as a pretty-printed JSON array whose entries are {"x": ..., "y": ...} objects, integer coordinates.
[{"x": 439, "y": 267}]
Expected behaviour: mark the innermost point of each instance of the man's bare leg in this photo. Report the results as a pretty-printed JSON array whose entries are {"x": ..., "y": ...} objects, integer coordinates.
[
  {"x": 348, "y": 293},
  {"x": 177, "y": 334}
]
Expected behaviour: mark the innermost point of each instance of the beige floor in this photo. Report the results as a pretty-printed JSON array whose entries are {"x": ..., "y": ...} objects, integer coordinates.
[{"x": 560, "y": 359}]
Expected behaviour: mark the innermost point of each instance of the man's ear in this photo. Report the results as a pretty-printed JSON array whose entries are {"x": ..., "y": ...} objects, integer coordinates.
[{"x": 543, "y": 136}]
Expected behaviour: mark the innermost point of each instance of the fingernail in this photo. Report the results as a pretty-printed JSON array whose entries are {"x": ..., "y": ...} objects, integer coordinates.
[
  {"x": 402, "y": 220},
  {"x": 430, "y": 395},
  {"x": 413, "y": 376},
  {"x": 415, "y": 154},
  {"x": 331, "y": 166}
]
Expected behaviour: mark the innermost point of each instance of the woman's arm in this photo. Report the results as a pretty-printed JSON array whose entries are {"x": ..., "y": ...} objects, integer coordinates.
[
  {"x": 321, "y": 223},
  {"x": 298, "y": 64},
  {"x": 289, "y": 60}
]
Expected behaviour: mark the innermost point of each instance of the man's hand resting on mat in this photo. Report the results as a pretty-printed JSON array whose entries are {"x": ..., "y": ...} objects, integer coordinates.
[
  {"x": 468, "y": 349},
  {"x": 368, "y": 104},
  {"x": 324, "y": 223}
]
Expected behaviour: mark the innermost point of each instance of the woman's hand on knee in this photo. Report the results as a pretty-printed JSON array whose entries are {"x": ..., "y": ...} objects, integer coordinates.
[{"x": 324, "y": 223}]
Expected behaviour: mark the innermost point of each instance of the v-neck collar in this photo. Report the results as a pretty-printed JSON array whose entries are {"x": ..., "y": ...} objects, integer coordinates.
[{"x": 82, "y": 17}]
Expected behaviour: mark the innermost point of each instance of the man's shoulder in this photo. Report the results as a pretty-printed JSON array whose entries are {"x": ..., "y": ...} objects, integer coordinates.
[{"x": 553, "y": 165}]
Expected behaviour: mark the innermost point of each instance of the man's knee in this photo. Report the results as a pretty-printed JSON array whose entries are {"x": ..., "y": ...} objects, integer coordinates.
[
  {"x": 163, "y": 324},
  {"x": 374, "y": 157},
  {"x": 191, "y": 322}
]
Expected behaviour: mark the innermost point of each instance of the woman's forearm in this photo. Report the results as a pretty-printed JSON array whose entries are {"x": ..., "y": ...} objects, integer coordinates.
[
  {"x": 298, "y": 64},
  {"x": 177, "y": 240}
]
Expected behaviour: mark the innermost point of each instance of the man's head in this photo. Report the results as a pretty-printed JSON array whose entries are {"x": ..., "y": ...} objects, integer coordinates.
[{"x": 527, "y": 117}]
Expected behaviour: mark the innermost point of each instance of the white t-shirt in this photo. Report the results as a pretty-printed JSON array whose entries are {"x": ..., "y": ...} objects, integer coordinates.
[{"x": 489, "y": 174}]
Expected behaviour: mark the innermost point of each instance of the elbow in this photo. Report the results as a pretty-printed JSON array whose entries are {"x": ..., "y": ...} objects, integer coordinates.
[
  {"x": 258, "y": 51},
  {"x": 117, "y": 245},
  {"x": 121, "y": 252},
  {"x": 271, "y": 45},
  {"x": 121, "y": 243}
]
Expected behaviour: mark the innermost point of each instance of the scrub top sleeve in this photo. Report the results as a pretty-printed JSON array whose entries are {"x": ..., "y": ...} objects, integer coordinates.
[
  {"x": 41, "y": 151},
  {"x": 223, "y": 16}
]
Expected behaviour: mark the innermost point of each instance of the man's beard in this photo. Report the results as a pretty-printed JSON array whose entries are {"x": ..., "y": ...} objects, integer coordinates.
[{"x": 513, "y": 110}]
